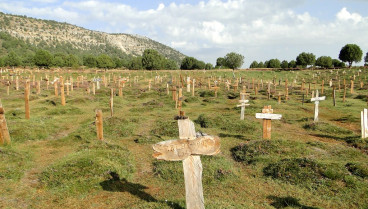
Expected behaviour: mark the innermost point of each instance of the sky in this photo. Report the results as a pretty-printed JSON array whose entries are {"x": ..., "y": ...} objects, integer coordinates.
[{"x": 258, "y": 29}]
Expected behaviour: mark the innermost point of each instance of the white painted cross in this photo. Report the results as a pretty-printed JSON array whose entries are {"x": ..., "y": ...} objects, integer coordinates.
[
  {"x": 316, "y": 102},
  {"x": 364, "y": 123},
  {"x": 243, "y": 103},
  {"x": 188, "y": 148}
]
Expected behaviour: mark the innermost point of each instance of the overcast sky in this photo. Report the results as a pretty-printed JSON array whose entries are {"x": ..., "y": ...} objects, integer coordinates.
[{"x": 258, "y": 29}]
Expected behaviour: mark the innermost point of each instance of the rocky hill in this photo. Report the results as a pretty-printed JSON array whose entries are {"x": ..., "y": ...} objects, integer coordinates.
[{"x": 48, "y": 33}]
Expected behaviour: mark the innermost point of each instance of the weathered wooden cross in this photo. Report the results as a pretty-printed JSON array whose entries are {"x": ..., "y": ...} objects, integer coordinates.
[
  {"x": 267, "y": 115},
  {"x": 316, "y": 102},
  {"x": 4, "y": 132},
  {"x": 188, "y": 148},
  {"x": 243, "y": 103}
]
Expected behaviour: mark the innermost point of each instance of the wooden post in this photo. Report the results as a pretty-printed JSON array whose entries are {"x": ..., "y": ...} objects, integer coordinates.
[
  {"x": 17, "y": 83},
  {"x": 26, "y": 99},
  {"x": 4, "y": 132},
  {"x": 188, "y": 84},
  {"x": 364, "y": 123},
  {"x": 352, "y": 86},
  {"x": 93, "y": 89},
  {"x": 267, "y": 115},
  {"x": 334, "y": 96},
  {"x": 112, "y": 101},
  {"x": 343, "y": 98},
  {"x": 279, "y": 98},
  {"x": 316, "y": 102},
  {"x": 188, "y": 148},
  {"x": 193, "y": 84},
  {"x": 62, "y": 93},
  {"x": 99, "y": 125}
]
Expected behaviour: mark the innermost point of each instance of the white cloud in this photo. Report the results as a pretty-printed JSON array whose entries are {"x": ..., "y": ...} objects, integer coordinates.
[{"x": 259, "y": 30}]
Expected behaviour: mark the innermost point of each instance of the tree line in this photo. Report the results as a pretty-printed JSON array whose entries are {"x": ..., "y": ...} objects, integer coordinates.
[{"x": 349, "y": 53}]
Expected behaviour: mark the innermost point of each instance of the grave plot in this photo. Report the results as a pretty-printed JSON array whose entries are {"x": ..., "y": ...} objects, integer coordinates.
[{"x": 64, "y": 156}]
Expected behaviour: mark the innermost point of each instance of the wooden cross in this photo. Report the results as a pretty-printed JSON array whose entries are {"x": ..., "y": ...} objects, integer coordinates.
[
  {"x": 4, "y": 132},
  {"x": 316, "y": 102},
  {"x": 267, "y": 115},
  {"x": 188, "y": 148},
  {"x": 173, "y": 90},
  {"x": 243, "y": 103}
]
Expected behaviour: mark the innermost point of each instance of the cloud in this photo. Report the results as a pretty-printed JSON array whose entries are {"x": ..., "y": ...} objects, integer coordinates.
[{"x": 259, "y": 30}]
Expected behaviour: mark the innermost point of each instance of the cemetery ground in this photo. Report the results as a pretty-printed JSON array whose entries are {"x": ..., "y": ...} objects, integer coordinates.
[{"x": 55, "y": 160}]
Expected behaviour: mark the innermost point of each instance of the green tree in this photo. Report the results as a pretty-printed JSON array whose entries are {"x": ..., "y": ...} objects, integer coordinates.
[
  {"x": 170, "y": 64},
  {"x": 188, "y": 63},
  {"x": 2, "y": 61},
  {"x": 118, "y": 62},
  {"x": 254, "y": 64},
  {"x": 72, "y": 61},
  {"x": 284, "y": 64},
  {"x": 59, "y": 60},
  {"x": 324, "y": 61},
  {"x": 43, "y": 58},
  {"x": 136, "y": 63},
  {"x": 90, "y": 61},
  {"x": 274, "y": 63},
  {"x": 151, "y": 59},
  {"x": 199, "y": 65},
  {"x": 304, "y": 59},
  {"x": 292, "y": 64},
  {"x": 351, "y": 53},
  {"x": 28, "y": 59},
  {"x": 261, "y": 65},
  {"x": 234, "y": 60},
  {"x": 337, "y": 63},
  {"x": 12, "y": 59},
  {"x": 209, "y": 66},
  {"x": 366, "y": 59},
  {"x": 220, "y": 62},
  {"x": 105, "y": 61}
]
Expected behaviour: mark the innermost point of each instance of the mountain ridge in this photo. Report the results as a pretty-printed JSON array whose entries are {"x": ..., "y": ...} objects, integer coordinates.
[{"x": 50, "y": 33}]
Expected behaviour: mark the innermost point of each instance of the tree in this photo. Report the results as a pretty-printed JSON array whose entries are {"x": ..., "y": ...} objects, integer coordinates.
[
  {"x": 292, "y": 64},
  {"x": 12, "y": 59},
  {"x": 284, "y": 64},
  {"x": 209, "y": 66},
  {"x": 234, "y": 60},
  {"x": 90, "y": 61},
  {"x": 43, "y": 58},
  {"x": 324, "y": 61},
  {"x": 72, "y": 61},
  {"x": 151, "y": 59},
  {"x": 220, "y": 62},
  {"x": 274, "y": 63},
  {"x": 170, "y": 64},
  {"x": 366, "y": 59},
  {"x": 351, "y": 53},
  {"x": 136, "y": 63},
  {"x": 304, "y": 59},
  {"x": 118, "y": 62},
  {"x": 188, "y": 63},
  {"x": 261, "y": 65},
  {"x": 254, "y": 64},
  {"x": 199, "y": 65},
  {"x": 59, "y": 60},
  {"x": 105, "y": 61},
  {"x": 337, "y": 63}
]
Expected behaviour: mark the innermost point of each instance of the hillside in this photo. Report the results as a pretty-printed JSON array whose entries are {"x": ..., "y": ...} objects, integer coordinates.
[{"x": 53, "y": 35}]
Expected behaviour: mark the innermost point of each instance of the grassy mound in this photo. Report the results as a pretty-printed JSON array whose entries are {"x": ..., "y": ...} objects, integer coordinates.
[
  {"x": 225, "y": 124},
  {"x": 115, "y": 127},
  {"x": 166, "y": 128},
  {"x": 215, "y": 169},
  {"x": 84, "y": 170},
  {"x": 65, "y": 110},
  {"x": 15, "y": 166},
  {"x": 358, "y": 169},
  {"x": 327, "y": 128}
]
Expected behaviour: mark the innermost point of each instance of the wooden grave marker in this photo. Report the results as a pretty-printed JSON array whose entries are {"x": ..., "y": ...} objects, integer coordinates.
[
  {"x": 243, "y": 102},
  {"x": 267, "y": 115},
  {"x": 26, "y": 99},
  {"x": 364, "y": 123},
  {"x": 99, "y": 125},
  {"x": 188, "y": 149},
  {"x": 4, "y": 132},
  {"x": 316, "y": 103},
  {"x": 112, "y": 101}
]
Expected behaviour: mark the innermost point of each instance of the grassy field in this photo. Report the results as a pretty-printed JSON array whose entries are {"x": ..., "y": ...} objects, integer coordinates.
[{"x": 56, "y": 161}]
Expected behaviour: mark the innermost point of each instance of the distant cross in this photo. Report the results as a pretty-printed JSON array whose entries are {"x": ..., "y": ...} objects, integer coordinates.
[
  {"x": 316, "y": 102},
  {"x": 243, "y": 102},
  {"x": 267, "y": 115},
  {"x": 188, "y": 148},
  {"x": 215, "y": 88}
]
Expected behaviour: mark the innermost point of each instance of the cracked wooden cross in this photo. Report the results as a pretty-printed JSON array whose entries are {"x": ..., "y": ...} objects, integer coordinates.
[
  {"x": 188, "y": 148},
  {"x": 243, "y": 102},
  {"x": 267, "y": 115}
]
